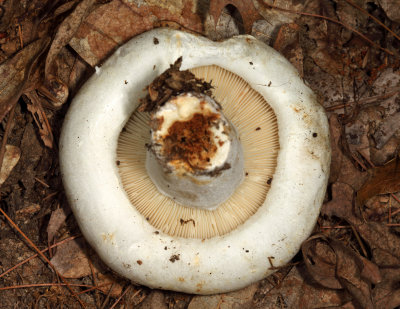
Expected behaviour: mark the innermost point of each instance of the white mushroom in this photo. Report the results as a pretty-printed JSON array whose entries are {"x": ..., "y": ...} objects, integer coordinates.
[{"x": 146, "y": 236}]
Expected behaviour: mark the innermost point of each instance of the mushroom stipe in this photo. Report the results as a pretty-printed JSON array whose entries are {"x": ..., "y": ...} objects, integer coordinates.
[{"x": 109, "y": 210}]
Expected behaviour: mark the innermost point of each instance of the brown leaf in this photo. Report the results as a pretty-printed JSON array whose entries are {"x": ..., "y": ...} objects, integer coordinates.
[
  {"x": 39, "y": 115},
  {"x": 237, "y": 299},
  {"x": 287, "y": 43},
  {"x": 57, "y": 219},
  {"x": 370, "y": 271},
  {"x": 320, "y": 260},
  {"x": 15, "y": 72},
  {"x": 11, "y": 158},
  {"x": 114, "y": 23},
  {"x": 386, "y": 294},
  {"x": 297, "y": 290},
  {"x": 380, "y": 238},
  {"x": 246, "y": 9},
  {"x": 109, "y": 284},
  {"x": 66, "y": 31},
  {"x": 341, "y": 205},
  {"x": 336, "y": 266},
  {"x": 70, "y": 260},
  {"x": 342, "y": 169},
  {"x": 385, "y": 179},
  {"x": 389, "y": 301}
]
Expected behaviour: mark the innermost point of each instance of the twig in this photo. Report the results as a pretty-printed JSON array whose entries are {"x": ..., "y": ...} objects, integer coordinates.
[
  {"x": 374, "y": 18},
  {"x": 5, "y": 136},
  {"x": 331, "y": 20},
  {"x": 35, "y": 285},
  {"x": 364, "y": 251},
  {"x": 395, "y": 197},
  {"x": 35, "y": 255},
  {"x": 42, "y": 182},
  {"x": 122, "y": 295},
  {"x": 97, "y": 299},
  {"x": 398, "y": 201},
  {"x": 336, "y": 227},
  {"x": 395, "y": 212},
  {"x": 96, "y": 288},
  {"x": 108, "y": 296},
  {"x": 49, "y": 196},
  {"x": 21, "y": 40},
  {"x": 359, "y": 161},
  {"x": 43, "y": 256}
]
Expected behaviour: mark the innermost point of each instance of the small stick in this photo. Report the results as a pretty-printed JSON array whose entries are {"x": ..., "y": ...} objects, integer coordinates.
[
  {"x": 336, "y": 227},
  {"x": 35, "y": 285},
  {"x": 95, "y": 283},
  {"x": 395, "y": 197},
  {"x": 49, "y": 196},
  {"x": 358, "y": 161},
  {"x": 96, "y": 287},
  {"x": 42, "y": 182},
  {"x": 364, "y": 251},
  {"x": 21, "y": 40},
  {"x": 108, "y": 296},
  {"x": 122, "y": 295}
]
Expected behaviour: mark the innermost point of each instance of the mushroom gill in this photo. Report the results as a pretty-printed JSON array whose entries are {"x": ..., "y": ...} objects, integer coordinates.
[{"x": 257, "y": 128}]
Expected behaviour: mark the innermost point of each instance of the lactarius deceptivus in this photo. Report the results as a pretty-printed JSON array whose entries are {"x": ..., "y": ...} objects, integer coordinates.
[{"x": 206, "y": 191}]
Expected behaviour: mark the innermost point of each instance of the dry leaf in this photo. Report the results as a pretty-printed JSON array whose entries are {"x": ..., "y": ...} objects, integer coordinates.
[
  {"x": 11, "y": 158},
  {"x": 14, "y": 74},
  {"x": 336, "y": 266},
  {"x": 341, "y": 205},
  {"x": 237, "y": 299},
  {"x": 385, "y": 179},
  {"x": 287, "y": 43},
  {"x": 297, "y": 290},
  {"x": 70, "y": 260},
  {"x": 57, "y": 219},
  {"x": 389, "y": 126},
  {"x": 39, "y": 115},
  {"x": 390, "y": 301},
  {"x": 114, "y": 23},
  {"x": 380, "y": 240},
  {"x": 246, "y": 9},
  {"x": 106, "y": 281},
  {"x": 66, "y": 31},
  {"x": 391, "y": 8}
]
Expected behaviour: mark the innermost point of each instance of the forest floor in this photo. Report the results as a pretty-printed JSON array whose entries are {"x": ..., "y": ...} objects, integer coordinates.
[{"x": 347, "y": 51}]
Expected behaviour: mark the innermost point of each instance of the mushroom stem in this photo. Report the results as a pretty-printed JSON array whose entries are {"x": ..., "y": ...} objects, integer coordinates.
[{"x": 195, "y": 156}]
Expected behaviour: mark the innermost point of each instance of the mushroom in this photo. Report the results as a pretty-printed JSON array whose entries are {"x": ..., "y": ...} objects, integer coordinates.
[{"x": 132, "y": 219}]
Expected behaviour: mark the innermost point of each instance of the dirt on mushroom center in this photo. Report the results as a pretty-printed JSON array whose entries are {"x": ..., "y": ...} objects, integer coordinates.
[{"x": 190, "y": 144}]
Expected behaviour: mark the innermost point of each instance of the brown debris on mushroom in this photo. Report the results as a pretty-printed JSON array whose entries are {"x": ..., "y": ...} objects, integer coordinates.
[{"x": 171, "y": 83}]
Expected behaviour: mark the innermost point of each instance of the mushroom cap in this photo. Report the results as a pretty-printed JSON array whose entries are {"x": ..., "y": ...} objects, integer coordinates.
[{"x": 121, "y": 235}]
